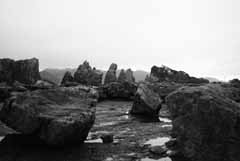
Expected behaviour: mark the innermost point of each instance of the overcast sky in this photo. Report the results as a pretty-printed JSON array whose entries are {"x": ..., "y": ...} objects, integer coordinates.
[{"x": 201, "y": 37}]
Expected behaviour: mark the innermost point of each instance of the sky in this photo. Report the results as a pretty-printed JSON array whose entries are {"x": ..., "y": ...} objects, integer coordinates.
[{"x": 200, "y": 37}]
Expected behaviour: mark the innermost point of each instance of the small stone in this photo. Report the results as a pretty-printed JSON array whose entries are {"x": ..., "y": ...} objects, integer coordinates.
[
  {"x": 107, "y": 138},
  {"x": 159, "y": 150}
]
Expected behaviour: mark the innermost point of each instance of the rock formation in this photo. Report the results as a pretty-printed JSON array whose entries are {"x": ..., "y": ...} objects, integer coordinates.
[
  {"x": 88, "y": 76},
  {"x": 150, "y": 97},
  {"x": 126, "y": 76},
  {"x": 206, "y": 122},
  {"x": 23, "y": 71},
  {"x": 146, "y": 101},
  {"x": 67, "y": 78},
  {"x": 57, "y": 116},
  {"x": 116, "y": 90},
  {"x": 6, "y": 70},
  {"x": 160, "y": 74},
  {"x": 129, "y": 76},
  {"x": 111, "y": 74},
  {"x": 122, "y": 76}
]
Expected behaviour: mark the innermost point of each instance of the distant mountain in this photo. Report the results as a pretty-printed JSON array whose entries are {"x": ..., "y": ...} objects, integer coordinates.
[
  {"x": 211, "y": 79},
  {"x": 56, "y": 75},
  {"x": 140, "y": 75}
]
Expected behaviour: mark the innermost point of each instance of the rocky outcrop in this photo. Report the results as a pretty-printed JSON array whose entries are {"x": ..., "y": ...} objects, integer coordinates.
[
  {"x": 27, "y": 71},
  {"x": 122, "y": 76},
  {"x": 160, "y": 74},
  {"x": 87, "y": 75},
  {"x": 206, "y": 123},
  {"x": 111, "y": 74},
  {"x": 24, "y": 71},
  {"x": 67, "y": 78},
  {"x": 116, "y": 90},
  {"x": 146, "y": 101},
  {"x": 57, "y": 116},
  {"x": 150, "y": 97},
  {"x": 126, "y": 76},
  {"x": 6, "y": 70},
  {"x": 129, "y": 76}
]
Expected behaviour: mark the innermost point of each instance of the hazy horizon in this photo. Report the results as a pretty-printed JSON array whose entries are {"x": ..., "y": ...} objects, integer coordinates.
[{"x": 201, "y": 38}]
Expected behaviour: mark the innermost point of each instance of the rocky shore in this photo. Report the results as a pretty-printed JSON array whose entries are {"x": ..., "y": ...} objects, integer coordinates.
[{"x": 168, "y": 116}]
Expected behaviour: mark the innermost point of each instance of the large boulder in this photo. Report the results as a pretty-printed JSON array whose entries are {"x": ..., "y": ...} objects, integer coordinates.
[
  {"x": 26, "y": 71},
  {"x": 206, "y": 123},
  {"x": 116, "y": 90},
  {"x": 6, "y": 70},
  {"x": 87, "y": 75},
  {"x": 111, "y": 74},
  {"x": 56, "y": 116},
  {"x": 150, "y": 97},
  {"x": 146, "y": 101},
  {"x": 160, "y": 74}
]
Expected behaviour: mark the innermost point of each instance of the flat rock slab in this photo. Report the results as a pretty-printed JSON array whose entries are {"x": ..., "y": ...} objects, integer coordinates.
[{"x": 57, "y": 116}]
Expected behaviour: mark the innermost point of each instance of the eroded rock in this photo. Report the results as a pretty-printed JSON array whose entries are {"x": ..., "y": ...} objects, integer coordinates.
[
  {"x": 206, "y": 123},
  {"x": 111, "y": 74},
  {"x": 164, "y": 73},
  {"x": 116, "y": 90},
  {"x": 57, "y": 116},
  {"x": 150, "y": 97},
  {"x": 87, "y": 75}
]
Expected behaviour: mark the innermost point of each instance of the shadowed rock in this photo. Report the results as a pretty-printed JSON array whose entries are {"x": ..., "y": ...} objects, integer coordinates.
[
  {"x": 27, "y": 71},
  {"x": 23, "y": 71},
  {"x": 126, "y": 76},
  {"x": 116, "y": 90},
  {"x": 88, "y": 76},
  {"x": 160, "y": 74},
  {"x": 6, "y": 70},
  {"x": 206, "y": 122},
  {"x": 57, "y": 116},
  {"x": 150, "y": 96},
  {"x": 67, "y": 78},
  {"x": 111, "y": 74}
]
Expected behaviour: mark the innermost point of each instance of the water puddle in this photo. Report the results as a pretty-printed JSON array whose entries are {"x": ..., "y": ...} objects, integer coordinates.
[
  {"x": 162, "y": 159},
  {"x": 158, "y": 141},
  {"x": 107, "y": 124},
  {"x": 94, "y": 141},
  {"x": 166, "y": 120},
  {"x": 2, "y": 137},
  {"x": 167, "y": 126}
]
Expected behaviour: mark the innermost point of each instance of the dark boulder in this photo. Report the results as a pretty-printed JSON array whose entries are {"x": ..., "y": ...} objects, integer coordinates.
[
  {"x": 161, "y": 74},
  {"x": 116, "y": 90},
  {"x": 67, "y": 78},
  {"x": 122, "y": 76},
  {"x": 149, "y": 97},
  {"x": 111, "y": 74},
  {"x": 206, "y": 123},
  {"x": 87, "y": 75},
  {"x": 6, "y": 70},
  {"x": 57, "y": 116},
  {"x": 146, "y": 101},
  {"x": 26, "y": 71},
  {"x": 23, "y": 71}
]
